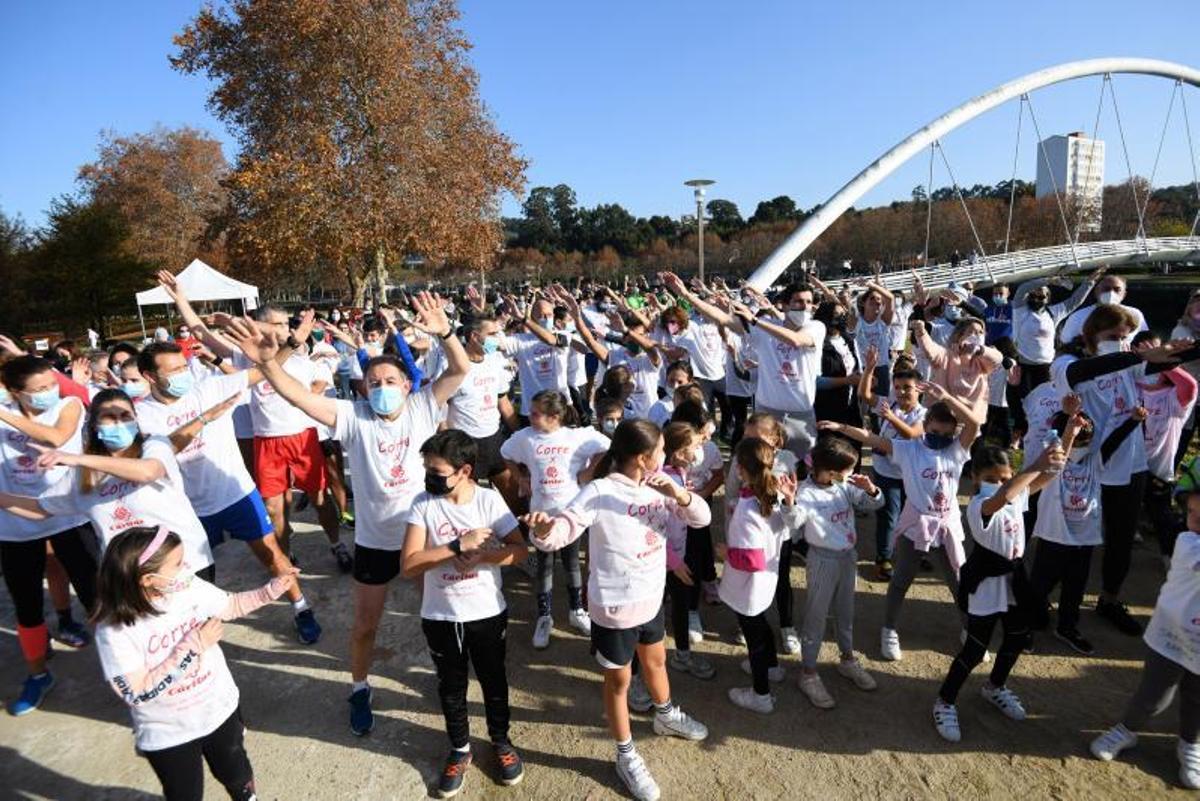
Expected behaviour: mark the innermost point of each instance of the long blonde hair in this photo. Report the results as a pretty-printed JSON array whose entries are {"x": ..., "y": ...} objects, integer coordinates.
[{"x": 757, "y": 458}]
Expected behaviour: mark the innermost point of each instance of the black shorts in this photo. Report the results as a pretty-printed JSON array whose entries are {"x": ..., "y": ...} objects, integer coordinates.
[
  {"x": 614, "y": 648},
  {"x": 375, "y": 566},
  {"x": 490, "y": 462}
]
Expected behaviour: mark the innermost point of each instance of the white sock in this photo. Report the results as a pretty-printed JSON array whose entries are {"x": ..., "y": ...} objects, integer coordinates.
[
  {"x": 355, "y": 686},
  {"x": 300, "y": 605},
  {"x": 464, "y": 749}
]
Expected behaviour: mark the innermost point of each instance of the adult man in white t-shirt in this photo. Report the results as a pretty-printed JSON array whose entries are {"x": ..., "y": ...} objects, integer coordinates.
[
  {"x": 215, "y": 479},
  {"x": 788, "y": 353},
  {"x": 540, "y": 353},
  {"x": 382, "y": 438},
  {"x": 1109, "y": 290}
]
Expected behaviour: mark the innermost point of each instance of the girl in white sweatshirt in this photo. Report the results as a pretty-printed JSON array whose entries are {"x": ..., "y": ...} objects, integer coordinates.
[
  {"x": 628, "y": 510},
  {"x": 762, "y": 522}
]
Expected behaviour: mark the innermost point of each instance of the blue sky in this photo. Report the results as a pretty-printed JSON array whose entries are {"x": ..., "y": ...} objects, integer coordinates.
[{"x": 624, "y": 100}]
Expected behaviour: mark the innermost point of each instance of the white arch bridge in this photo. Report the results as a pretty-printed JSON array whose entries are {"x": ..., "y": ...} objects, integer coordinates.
[{"x": 1012, "y": 266}]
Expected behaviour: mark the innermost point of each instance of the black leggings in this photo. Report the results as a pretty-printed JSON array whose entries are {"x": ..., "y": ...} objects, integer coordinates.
[
  {"x": 979, "y": 634},
  {"x": 1121, "y": 509},
  {"x": 739, "y": 408},
  {"x": 455, "y": 648},
  {"x": 1070, "y": 564},
  {"x": 760, "y": 642},
  {"x": 699, "y": 554},
  {"x": 24, "y": 566},
  {"x": 684, "y": 599},
  {"x": 783, "y": 586},
  {"x": 181, "y": 767}
]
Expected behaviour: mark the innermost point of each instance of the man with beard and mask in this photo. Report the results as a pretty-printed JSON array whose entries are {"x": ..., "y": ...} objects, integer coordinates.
[
  {"x": 1034, "y": 320},
  {"x": 789, "y": 357},
  {"x": 382, "y": 437},
  {"x": 1109, "y": 290},
  {"x": 540, "y": 352}
]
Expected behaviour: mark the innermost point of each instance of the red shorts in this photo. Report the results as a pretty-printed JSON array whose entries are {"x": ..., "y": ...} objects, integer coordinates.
[{"x": 292, "y": 460}]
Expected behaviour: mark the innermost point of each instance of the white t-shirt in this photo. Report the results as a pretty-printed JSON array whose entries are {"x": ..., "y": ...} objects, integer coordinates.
[
  {"x": 1163, "y": 427},
  {"x": 1073, "y": 327},
  {"x": 998, "y": 388},
  {"x": 474, "y": 407},
  {"x": 1003, "y": 534},
  {"x": 554, "y": 461},
  {"x": 385, "y": 459},
  {"x": 539, "y": 366},
  {"x": 660, "y": 413},
  {"x": 883, "y": 463},
  {"x": 20, "y": 475},
  {"x": 192, "y": 706},
  {"x": 750, "y": 592},
  {"x": 787, "y": 376},
  {"x": 449, "y": 594},
  {"x": 699, "y": 475},
  {"x": 931, "y": 479},
  {"x": 214, "y": 475},
  {"x": 1174, "y": 628},
  {"x": 1033, "y": 332},
  {"x": 576, "y": 366},
  {"x": 827, "y": 513},
  {"x": 273, "y": 416},
  {"x": 1041, "y": 404},
  {"x": 1109, "y": 400},
  {"x": 702, "y": 341},
  {"x": 877, "y": 334},
  {"x": 115, "y": 505},
  {"x": 1068, "y": 509},
  {"x": 734, "y": 385},
  {"x": 645, "y": 381}
]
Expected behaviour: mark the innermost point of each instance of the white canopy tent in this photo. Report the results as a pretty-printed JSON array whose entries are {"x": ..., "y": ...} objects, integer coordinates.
[{"x": 200, "y": 282}]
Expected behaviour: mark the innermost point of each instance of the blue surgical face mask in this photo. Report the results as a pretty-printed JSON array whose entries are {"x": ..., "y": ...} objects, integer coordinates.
[
  {"x": 45, "y": 399},
  {"x": 938, "y": 441},
  {"x": 547, "y": 323},
  {"x": 180, "y": 384},
  {"x": 385, "y": 400},
  {"x": 491, "y": 344},
  {"x": 136, "y": 389},
  {"x": 988, "y": 488},
  {"x": 117, "y": 436},
  {"x": 952, "y": 313}
]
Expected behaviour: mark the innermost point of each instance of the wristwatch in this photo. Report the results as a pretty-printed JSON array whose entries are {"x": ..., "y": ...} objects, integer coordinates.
[
  {"x": 455, "y": 547},
  {"x": 449, "y": 333},
  {"x": 292, "y": 343}
]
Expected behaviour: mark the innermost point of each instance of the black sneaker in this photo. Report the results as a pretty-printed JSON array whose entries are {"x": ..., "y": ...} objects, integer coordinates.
[
  {"x": 1117, "y": 613},
  {"x": 1076, "y": 640},
  {"x": 454, "y": 773},
  {"x": 512, "y": 769},
  {"x": 341, "y": 553}
]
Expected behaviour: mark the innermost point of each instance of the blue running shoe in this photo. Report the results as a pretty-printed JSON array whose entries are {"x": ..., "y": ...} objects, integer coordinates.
[
  {"x": 32, "y": 694},
  {"x": 362, "y": 719},
  {"x": 73, "y": 634},
  {"x": 307, "y": 627}
]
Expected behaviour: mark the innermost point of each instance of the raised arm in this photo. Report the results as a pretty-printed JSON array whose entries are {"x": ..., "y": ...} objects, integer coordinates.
[
  {"x": 888, "y": 313},
  {"x": 54, "y": 436},
  {"x": 675, "y": 284},
  {"x": 262, "y": 347},
  {"x": 860, "y": 434},
  {"x": 966, "y": 414},
  {"x": 139, "y": 471},
  {"x": 791, "y": 336},
  {"x": 183, "y": 436},
  {"x": 560, "y": 294},
  {"x": 431, "y": 318},
  {"x": 1041, "y": 471},
  {"x": 219, "y": 344}
]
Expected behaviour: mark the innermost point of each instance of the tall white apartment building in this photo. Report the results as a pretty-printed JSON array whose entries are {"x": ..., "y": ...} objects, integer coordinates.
[{"x": 1075, "y": 165}]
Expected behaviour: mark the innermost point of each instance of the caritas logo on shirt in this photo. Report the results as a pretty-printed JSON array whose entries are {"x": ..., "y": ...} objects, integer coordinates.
[
  {"x": 395, "y": 451},
  {"x": 123, "y": 518},
  {"x": 652, "y": 517}
]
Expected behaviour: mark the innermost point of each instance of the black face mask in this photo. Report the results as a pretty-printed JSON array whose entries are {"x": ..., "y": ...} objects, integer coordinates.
[
  {"x": 436, "y": 484},
  {"x": 1036, "y": 303},
  {"x": 839, "y": 322}
]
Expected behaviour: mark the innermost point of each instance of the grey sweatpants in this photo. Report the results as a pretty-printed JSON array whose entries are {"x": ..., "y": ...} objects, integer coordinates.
[
  {"x": 905, "y": 559},
  {"x": 831, "y": 579},
  {"x": 1161, "y": 677},
  {"x": 801, "y": 429}
]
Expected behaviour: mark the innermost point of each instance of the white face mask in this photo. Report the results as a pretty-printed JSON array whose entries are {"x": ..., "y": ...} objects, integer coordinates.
[
  {"x": 798, "y": 317},
  {"x": 1109, "y": 346},
  {"x": 697, "y": 457},
  {"x": 1109, "y": 297},
  {"x": 973, "y": 341}
]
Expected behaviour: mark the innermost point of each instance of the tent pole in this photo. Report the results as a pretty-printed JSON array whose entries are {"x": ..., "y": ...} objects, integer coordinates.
[{"x": 142, "y": 320}]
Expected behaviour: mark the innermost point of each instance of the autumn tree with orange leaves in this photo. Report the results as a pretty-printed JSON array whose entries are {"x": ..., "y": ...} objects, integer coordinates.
[{"x": 361, "y": 132}]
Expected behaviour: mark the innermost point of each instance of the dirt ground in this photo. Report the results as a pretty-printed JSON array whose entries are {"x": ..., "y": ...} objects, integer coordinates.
[{"x": 872, "y": 745}]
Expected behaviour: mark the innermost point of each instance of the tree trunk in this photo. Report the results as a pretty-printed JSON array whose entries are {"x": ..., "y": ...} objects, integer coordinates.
[
  {"x": 357, "y": 287},
  {"x": 380, "y": 275}
]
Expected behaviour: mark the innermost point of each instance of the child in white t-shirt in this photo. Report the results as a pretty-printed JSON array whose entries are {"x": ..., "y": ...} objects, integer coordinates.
[
  {"x": 828, "y": 501},
  {"x": 678, "y": 374},
  {"x": 158, "y": 626},
  {"x": 553, "y": 455},
  {"x": 993, "y": 586},
  {"x": 459, "y": 535},
  {"x": 762, "y": 522},
  {"x": 1172, "y": 662},
  {"x": 704, "y": 476}
]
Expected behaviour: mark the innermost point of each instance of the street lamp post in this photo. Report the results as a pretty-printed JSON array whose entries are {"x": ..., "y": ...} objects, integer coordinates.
[{"x": 698, "y": 185}]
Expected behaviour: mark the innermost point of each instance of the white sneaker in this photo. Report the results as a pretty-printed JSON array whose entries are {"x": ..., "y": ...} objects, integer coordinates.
[
  {"x": 945, "y": 718},
  {"x": 791, "y": 643},
  {"x": 962, "y": 640},
  {"x": 854, "y": 670},
  {"x": 1005, "y": 700},
  {"x": 676, "y": 723},
  {"x": 692, "y": 663},
  {"x": 812, "y": 686},
  {"x": 746, "y": 698},
  {"x": 541, "y": 632},
  {"x": 775, "y": 674},
  {"x": 578, "y": 619},
  {"x": 889, "y": 645},
  {"x": 1112, "y": 742},
  {"x": 695, "y": 630},
  {"x": 633, "y": 771},
  {"x": 1189, "y": 764},
  {"x": 638, "y": 698}
]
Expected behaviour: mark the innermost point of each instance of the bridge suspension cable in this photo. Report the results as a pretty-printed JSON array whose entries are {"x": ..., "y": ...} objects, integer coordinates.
[
  {"x": 1187, "y": 126},
  {"x": 928, "y": 209},
  {"x": 971, "y": 222},
  {"x": 1084, "y": 213},
  {"x": 1012, "y": 181},
  {"x": 1140, "y": 234},
  {"x": 1037, "y": 129},
  {"x": 1157, "y": 155}
]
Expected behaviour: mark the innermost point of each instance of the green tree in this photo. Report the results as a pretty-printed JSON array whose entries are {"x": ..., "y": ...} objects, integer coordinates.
[
  {"x": 774, "y": 210},
  {"x": 724, "y": 218}
]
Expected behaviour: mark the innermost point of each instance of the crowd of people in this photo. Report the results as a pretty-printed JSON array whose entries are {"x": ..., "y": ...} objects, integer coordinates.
[{"x": 458, "y": 435}]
